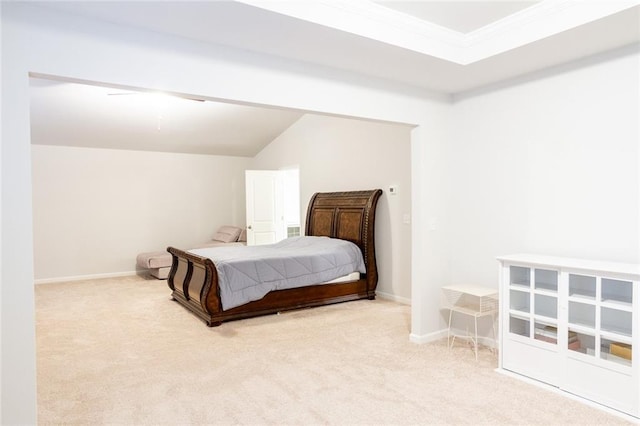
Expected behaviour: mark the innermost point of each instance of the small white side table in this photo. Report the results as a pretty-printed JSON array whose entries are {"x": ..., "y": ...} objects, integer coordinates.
[{"x": 471, "y": 300}]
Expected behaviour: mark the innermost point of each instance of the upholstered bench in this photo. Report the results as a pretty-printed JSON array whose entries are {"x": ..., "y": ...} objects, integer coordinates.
[{"x": 158, "y": 263}]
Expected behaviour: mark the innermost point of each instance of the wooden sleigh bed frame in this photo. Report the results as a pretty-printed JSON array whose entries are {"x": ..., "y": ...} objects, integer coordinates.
[{"x": 344, "y": 215}]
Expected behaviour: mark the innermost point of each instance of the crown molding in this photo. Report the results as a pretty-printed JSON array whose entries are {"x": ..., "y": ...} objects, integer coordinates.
[
  {"x": 537, "y": 22},
  {"x": 368, "y": 19}
]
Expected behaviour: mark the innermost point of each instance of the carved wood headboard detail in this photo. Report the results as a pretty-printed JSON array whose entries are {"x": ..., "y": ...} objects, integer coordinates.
[{"x": 349, "y": 216}]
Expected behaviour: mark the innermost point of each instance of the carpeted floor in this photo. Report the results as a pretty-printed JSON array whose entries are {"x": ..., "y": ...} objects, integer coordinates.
[{"x": 119, "y": 351}]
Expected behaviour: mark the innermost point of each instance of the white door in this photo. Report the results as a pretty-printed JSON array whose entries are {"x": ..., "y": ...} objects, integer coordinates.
[{"x": 265, "y": 206}]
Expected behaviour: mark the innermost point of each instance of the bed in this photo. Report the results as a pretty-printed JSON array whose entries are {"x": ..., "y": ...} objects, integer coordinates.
[{"x": 348, "y": 216}]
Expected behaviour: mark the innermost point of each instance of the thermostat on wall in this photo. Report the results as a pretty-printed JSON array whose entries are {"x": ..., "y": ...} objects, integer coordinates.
[{"x": 393, "y": 189}]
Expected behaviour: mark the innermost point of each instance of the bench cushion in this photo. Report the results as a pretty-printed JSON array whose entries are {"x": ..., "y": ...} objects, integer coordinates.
[{"x": 154, "y": 259}]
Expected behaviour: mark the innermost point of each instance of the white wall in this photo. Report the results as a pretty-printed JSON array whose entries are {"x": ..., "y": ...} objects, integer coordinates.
[
  {"x": 548, "y": 165},
  {"x": 339, "y": 154},
  {"x": 94, "y": 210},
  {"x": 38, "y": 41}
]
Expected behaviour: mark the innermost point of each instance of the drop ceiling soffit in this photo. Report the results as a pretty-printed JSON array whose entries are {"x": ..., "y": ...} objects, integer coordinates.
[{"x": 376, "y": 22}]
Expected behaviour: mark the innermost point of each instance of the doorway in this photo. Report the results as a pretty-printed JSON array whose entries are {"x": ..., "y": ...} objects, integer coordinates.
[{"x": 273, "y": 205}]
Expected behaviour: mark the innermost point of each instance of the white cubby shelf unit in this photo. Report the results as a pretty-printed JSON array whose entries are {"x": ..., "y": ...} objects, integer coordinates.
[{"x": 573, "y": 324}]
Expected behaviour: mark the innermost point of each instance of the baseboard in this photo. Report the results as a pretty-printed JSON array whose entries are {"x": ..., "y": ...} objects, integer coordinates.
[
  {"x": 393, "y": 298},
  {"x": 428, "y": 338},
  {"x": 488, "y": 342},
  {"x": 442, "y": 334},
  {"x": 84, "y": 277}
]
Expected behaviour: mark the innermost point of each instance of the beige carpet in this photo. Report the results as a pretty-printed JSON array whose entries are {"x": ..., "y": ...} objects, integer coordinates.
[{"x": 118, "y": 351}]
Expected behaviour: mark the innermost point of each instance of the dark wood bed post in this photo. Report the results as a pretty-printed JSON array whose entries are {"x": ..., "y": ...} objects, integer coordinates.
[{"x": 349, "y": 216}]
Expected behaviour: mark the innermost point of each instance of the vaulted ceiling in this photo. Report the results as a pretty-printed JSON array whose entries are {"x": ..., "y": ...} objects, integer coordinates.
[
  {"x": 80, "y": 115},
  {"x": 442, "y": 46}
]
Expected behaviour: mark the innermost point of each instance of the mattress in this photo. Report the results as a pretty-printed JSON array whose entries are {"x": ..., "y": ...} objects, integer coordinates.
[{"x": 248, "y": 273}]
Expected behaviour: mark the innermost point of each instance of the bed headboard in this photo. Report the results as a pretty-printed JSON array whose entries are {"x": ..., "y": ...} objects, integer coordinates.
[{"x": 349, "y": 216}]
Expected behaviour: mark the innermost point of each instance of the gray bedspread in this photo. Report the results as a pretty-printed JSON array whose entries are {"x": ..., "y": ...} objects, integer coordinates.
[{"x": 249, "y": 273}]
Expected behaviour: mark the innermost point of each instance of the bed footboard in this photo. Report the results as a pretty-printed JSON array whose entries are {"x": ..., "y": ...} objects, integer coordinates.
[
  {"x": 194, "y": 283},
  {"x": 193, "y": 280}
]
